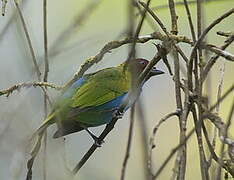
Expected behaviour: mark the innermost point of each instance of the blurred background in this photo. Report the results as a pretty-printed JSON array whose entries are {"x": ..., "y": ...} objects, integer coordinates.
[{"x": 22, "y": 112}]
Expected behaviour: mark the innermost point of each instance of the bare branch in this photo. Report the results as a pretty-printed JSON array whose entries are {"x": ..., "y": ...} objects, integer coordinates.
[
  {"x": 223, "y": 134},
  {"x": 28, "y": 40},
  {"x": 165, "y": 31},
  {"x": 138, "y": 29},
  {"x": 144, "y": 138},
  {"x": 130, "y": 134},
  {"x": 17, "y": 87},
  {"x": 220, "y": 85},
  {"x": 153, "y": 136},
  {"x": 227, "y": 55},
  {"x": 174, "y": 17},
  {"x": 201, "y": 37},
  {"x": 225, "y": 34},
  {"x": 45, "y": 78},
  {"x": 190, "y": 20},
  {"x": 45, "y": 40},
  {"x": 116, "y": 44},
  {"x": 213, "y": 59},
  {"x": 182, "y": 118},
  {"x": 217, "y": 121},
  {"x": 181, "y": 3},
  {"x": 227, "y": 166},
  {"x": 222, "y": 98},
  {"x": 173, "y": 151},
  {"x": 141, "y": 39}
]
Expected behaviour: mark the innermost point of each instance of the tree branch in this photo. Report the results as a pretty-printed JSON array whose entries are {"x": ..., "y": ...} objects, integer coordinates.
[{"x": 17, "y": 87}]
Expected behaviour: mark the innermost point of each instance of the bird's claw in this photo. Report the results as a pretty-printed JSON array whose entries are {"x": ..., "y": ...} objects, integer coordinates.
[
  {"x": 118, "y": 114},
  {"x": 98, "y": 142}
]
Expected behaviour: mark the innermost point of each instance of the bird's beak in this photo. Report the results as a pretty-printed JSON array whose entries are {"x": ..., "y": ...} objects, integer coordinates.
[{"x": 155, "y": 72}]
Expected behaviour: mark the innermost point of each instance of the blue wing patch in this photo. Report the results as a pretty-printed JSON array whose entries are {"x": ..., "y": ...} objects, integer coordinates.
[{"x": 70, "y": 91}]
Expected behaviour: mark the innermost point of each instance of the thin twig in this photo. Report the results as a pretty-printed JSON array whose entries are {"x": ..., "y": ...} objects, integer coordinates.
[
  {"x": 28, "y": 40},
  {"x": 30, "y": 48},
  {"x": 130, "y": 134},
  {"x": 201, "y": 37},
  {"x": 219, "y": 161},
  {"x": 223, "y": 128},
  {"x": 187, "y": 104},
  {"x": 199, "y": 91},
  {"x": 45, "y": 78},
  {"x": 181, "y": 164},
  {"x": 174, "y": 17},
  {"x": 173, "y": 151},
  {"x": 143, "y": 138},
  {"x": 172, "y": 42},
  {"x": 180, "y": 3},
  {"x": 141, "y": 39},
  {"x": 227, "y": 55},
  {"x": 214, "y": 23},
  {"x": 211, "y": 149},
  {"x": 190, "y": 20},
  {"x": 182, "y": 120},
  {"x": 95, "y": 59},
  {"x": 153, "y": 136},
  {"x": 17, "y": 87},
  {"x": 138, "y": 29},
  {"x": 220, "y": 85},
  {"x": 45, "y": 40},
  {"x": 113, "y": 45},
  {"x": 45, "y": 142},
  {"x": 218, "y": 175},
  {"x": 131, "y": 55},
  {"x": 221, "y": 98},
  {"x": 225, "y": 34},
  {"x": 149, "y": 20},
  {"x": 10, "y": 20},
  {"x": 213, "y": 59},
  {"x": 158, "y": 36}
]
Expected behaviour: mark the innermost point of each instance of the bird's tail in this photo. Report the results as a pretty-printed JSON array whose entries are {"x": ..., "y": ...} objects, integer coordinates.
[
  {"x": 36, "y": 141},
  {"x": 38, "y": 134},
  {"x": 48, "y": 121}
]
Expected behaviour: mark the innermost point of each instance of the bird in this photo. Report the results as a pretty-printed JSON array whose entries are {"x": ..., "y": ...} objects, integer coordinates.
[{"x": 94, "y": 99}]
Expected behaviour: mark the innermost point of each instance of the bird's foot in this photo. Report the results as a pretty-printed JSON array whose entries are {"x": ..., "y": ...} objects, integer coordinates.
[
  {"x": 118, "y": 114},
  {"x": 98, "y": 142}
]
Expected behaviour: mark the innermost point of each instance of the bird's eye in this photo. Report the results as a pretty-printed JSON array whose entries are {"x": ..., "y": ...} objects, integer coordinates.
[{"x": 142, "y": 62}]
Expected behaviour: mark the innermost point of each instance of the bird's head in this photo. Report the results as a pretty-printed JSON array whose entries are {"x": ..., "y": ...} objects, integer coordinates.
[{"x": 140, "y": 64}]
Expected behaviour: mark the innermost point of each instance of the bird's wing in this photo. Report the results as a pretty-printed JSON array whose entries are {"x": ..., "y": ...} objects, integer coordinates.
[
  {"x": 63, "y": 101},
  {"x": 101, "y": 88}
]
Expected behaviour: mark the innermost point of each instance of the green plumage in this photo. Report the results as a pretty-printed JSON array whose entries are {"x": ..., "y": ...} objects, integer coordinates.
[
  {"x": 102, "y": 87},
  {"x": 78, "y": 109},
  {"x": 93, "y": 99}
]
